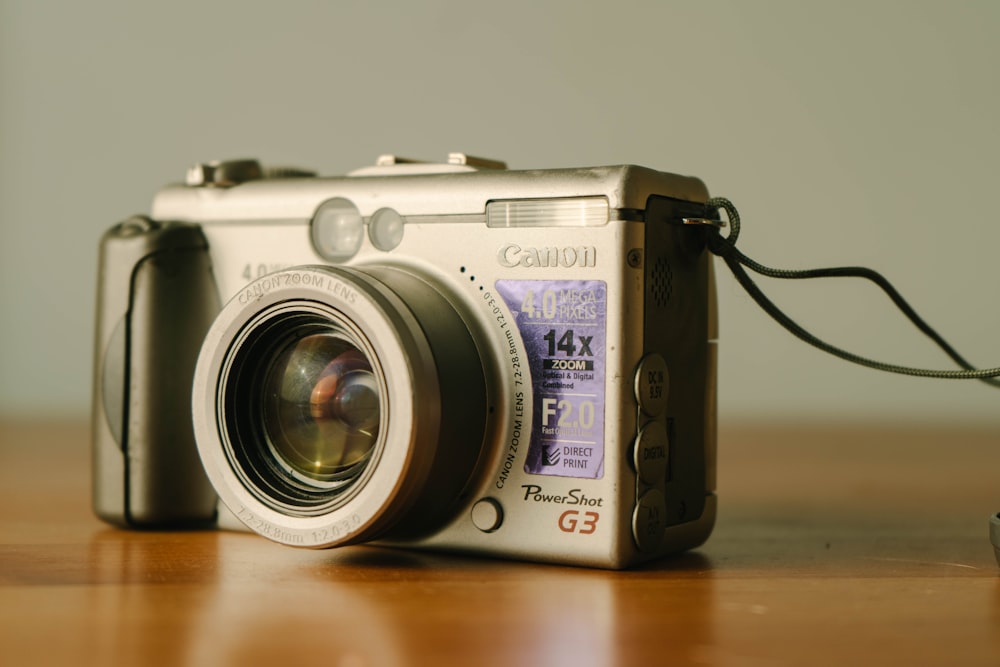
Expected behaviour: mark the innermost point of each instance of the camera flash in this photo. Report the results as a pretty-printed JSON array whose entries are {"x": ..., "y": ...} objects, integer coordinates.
[{"x": 562, "y": 212}]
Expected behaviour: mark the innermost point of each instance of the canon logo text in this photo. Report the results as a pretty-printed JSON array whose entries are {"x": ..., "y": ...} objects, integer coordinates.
[{"x": 512, "y": 255}]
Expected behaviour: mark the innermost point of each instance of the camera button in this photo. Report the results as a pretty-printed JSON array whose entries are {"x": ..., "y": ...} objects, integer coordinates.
[
  {"x": 652, "y": 381},
  {"x": 134, "y": 226},
  {"x": 651, "y": 453},
  {"x": 649, "y": 520},
  {"x": 223, "y": 174},
  {"x": 487, "y": 515}
]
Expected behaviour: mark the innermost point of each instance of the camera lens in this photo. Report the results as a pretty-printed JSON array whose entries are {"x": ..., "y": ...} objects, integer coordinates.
[
  {"x": 303, "y": 407},
  {"x": 321, "y": 407},
  {"x": 337, "y": 405}
]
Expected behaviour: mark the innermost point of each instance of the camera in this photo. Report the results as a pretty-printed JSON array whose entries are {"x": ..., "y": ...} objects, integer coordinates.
[
  {"x": 451, "y": 356},
  {"x": 995, "y": 535}
]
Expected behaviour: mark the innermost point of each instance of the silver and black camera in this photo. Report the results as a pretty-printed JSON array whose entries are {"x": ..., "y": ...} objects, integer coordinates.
[{"x": 447, "y": 356}]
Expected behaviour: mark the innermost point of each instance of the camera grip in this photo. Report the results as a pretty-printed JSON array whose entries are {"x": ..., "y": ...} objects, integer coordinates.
[{"x": 156, "y": 300}]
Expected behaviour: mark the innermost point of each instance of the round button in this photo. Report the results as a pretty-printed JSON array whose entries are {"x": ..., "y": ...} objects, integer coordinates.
[
  {"x": 651, "y": 453},
  {"x": 337, "y": 229},
  {"x": 649, "y": 520},
  {"x": 386, "y": 229},
  {"x": 651, "y": 384},
  {"x": 487, "y": 515}
]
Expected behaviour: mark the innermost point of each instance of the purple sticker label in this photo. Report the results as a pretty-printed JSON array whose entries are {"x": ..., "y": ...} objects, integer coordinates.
[{"x": 563, "y": 325}]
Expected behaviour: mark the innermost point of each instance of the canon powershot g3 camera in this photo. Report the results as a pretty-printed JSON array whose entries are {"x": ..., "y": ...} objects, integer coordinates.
[{"x": 448, "y": 356}]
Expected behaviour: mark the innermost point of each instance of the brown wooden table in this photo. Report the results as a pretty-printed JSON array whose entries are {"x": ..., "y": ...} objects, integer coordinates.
[{"x": 848, "y": 545}]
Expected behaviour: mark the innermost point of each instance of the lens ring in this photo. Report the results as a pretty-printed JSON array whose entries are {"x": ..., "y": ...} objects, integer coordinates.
[
  {"x": 304, "y": 397},
  {"x": 403, "y": 461}
]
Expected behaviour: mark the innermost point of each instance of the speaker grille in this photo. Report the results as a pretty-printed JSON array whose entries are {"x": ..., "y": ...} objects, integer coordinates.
[{"x": 662, "y": 282}]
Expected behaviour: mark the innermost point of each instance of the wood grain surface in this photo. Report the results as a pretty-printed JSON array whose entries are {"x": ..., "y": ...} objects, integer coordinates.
[{"x": 835, "y": 545}]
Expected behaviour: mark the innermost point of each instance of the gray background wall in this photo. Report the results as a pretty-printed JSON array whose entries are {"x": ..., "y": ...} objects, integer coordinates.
[{"x": 849, "y": 132}]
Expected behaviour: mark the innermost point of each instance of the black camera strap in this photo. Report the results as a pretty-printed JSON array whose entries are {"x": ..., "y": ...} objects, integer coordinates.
[{"x": 725, "y": 247}]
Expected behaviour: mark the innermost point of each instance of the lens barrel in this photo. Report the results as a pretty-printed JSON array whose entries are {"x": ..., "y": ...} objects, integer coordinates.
[{"x": 338, "y": 405}]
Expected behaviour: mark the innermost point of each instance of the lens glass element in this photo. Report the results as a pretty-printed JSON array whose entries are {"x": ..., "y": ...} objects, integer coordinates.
[{"x": 320, "y": 407}]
